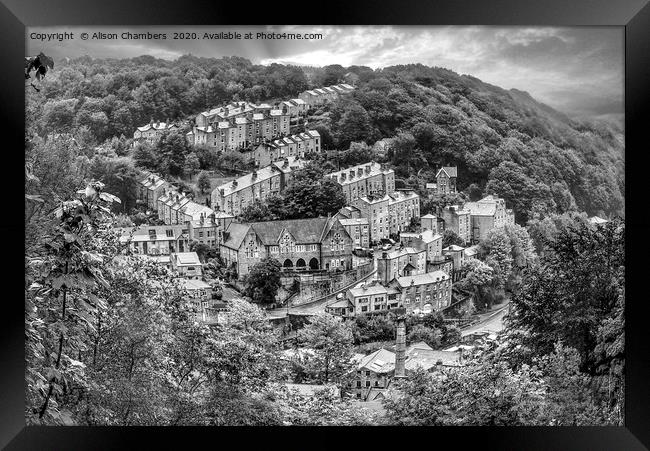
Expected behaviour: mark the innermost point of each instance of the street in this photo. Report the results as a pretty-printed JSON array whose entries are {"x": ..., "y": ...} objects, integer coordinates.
[{"x": 490, "y": 322}]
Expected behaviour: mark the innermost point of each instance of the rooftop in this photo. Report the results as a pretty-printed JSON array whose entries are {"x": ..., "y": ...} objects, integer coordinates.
[
  {"x": 422, "y": 279},
  {"x": 380, "y": 361},
  {"x": 353, "y": 221},
  {"x": 371, "y": 288},
  {"x": 352, "y": 173},
  {"x": 451, "y": 171},
  {"x": 264, "y": 173},
  {"x": 186, "y": 259}
]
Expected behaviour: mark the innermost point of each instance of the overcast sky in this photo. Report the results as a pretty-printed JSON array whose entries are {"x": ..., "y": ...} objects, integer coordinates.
[{"x": 579, "y": 71}]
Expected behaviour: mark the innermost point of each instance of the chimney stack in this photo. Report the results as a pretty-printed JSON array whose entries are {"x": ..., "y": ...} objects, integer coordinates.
[{"x": 400, "y": 348}]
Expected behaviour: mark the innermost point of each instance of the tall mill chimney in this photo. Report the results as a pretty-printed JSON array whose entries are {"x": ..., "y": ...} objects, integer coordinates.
[{"x": 400, "y": 348}]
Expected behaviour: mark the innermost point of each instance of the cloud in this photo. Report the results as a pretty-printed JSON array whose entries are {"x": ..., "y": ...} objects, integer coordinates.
[{"x": 576, "y": 70}]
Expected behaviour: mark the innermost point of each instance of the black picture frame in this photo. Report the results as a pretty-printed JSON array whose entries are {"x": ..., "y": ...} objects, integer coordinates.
[{"x": 634, "y": 15}]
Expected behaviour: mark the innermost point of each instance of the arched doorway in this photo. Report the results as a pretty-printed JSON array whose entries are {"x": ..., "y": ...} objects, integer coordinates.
[
  {"x": 300, "y": 264},
  {"x": 288, "y": 263},
  {"x": 313, "y": 263}
]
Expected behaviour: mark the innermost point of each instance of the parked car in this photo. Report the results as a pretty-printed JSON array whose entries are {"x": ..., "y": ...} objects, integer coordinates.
[{"x": 386, "y": 247}]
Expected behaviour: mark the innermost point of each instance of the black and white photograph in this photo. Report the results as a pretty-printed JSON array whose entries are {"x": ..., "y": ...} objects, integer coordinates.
[{"x": 292, "y": 225}]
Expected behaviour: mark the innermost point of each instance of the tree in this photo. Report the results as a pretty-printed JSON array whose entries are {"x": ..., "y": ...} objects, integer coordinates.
[
  {"x": 63, "y": 270},
  {"x": 420, "y": 332},
  {"x": 257, "y": 211},
  {"x": 450, "y": 238},
  {"x": 331, "y": 339},
  {"x": 480, "y": 280},
  {"x": 359, "y": 152},
  {"x": 263, "y": 281},
  {"x": 144, "y": 156},
  {"x": 200, "y": 249},
  {"x": 173, "y": 149},
  {"x": 192, "y": 164},
  {"x": 573, "y": 292},
  {"x": 310, "y": 194},
  {"x": 497, "y": 249},
  {"x": 203, "y": 182},
  {"x": 485, "y": 392}
]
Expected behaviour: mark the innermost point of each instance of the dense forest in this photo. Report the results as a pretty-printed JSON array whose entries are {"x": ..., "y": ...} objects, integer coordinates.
[
  {"x": 110, "y": 340},
  {"x": 503, "y": 141}
]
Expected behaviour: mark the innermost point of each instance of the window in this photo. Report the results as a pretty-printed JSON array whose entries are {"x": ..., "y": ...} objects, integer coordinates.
[
  {"x": 170, "y": 233},
  {"x": 359, "y": 386},
  {"x": 367, "y": 373},
  {"x": 367, "y": 383}
]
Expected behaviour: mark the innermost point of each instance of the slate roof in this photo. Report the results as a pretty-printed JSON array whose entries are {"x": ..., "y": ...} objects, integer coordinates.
[
  {"x": 304, "y": 231},
  {"x": 236, "y": 234},
  {"x": 156, "y": 126},
  {"x": 422, "y": 279},
  {"x": 454, "y": 248},
  {"x": 451, "y": 171},
  {"x": 372, "y": 289},
  {"x": 192, "y": 284},
  {"x": 353, "y": 222},
  {"x": 428, "y": 358},
  {"x": 194, "y": 210},
  {"x": 186, "y": 259},
  {"x": 380, "y": 361},
  {"x": 484, "y": 207}
]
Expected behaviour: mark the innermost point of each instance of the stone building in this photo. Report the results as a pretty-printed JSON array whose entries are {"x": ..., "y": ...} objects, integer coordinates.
[
  {"x": 186, "y": 264},
  {"x": 368, "y": 179},
  {"x": 446, "y": 180},
  {"x": 321, "y": 96},
  {"x": 401, "y": 262},
  {"x": 158, "y": 242},
  {"x": 459, "y": 221},
  {"x": 427, "y": 240},
  {"x": 421, "y": 293},
  {"x": 174, "y": 207},
  {"x": 296, "y": 146},
  {"x": 299, "y": 245},
  {"x": 239, "y": 125},
  {"x": 209, "y": 230},
  {"x": 151, "y": 132},
  {"x": 235, "y": 196},
  {"x": 150, "y": 188},
  {"x": 389, "y": 214},
  {"x": 487, "y": 214},
  {"x": 358, "y": 229}
]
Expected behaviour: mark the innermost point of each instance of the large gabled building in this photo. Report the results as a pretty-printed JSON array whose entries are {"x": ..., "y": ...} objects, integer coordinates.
[{"x": 299, "y": 245}]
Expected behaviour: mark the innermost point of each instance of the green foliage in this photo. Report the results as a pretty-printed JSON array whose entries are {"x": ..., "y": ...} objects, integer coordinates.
[
  {"x": 263, "y": 281},
  {"x": 574, "y": 293},
  {"x": 487, "y": 391},
  {"x": 450, "y": 238},
  {"x": 359, "y": 152},
  {"x": 331, "y": 340},
  {"x": 308, "y": 195},
  {"x": 539, "y": 160},
  {"x": 203, "y": 182}
]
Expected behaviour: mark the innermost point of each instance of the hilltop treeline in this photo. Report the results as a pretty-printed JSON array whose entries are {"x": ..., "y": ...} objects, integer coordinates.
[{"x": 503, "y": 141}]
